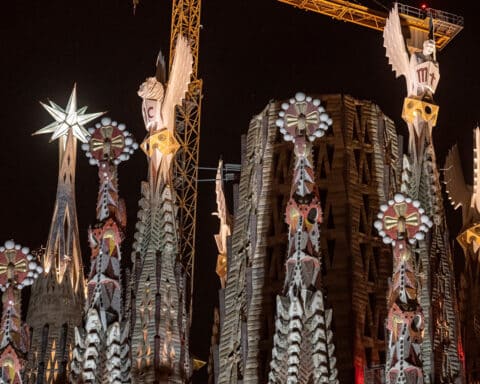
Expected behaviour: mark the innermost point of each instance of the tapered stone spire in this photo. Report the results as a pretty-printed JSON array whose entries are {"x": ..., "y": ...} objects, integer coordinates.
[
  {"x": 58, "y": 295},
  {"x": 101, "y": 353},
  {"x": 303, "y": 350},
  {"x": 18, "y": 269},
  {"x": 401, "y": 223},
  {"x": 160, "y": 328},
  {"x": 421, "y": 181}
]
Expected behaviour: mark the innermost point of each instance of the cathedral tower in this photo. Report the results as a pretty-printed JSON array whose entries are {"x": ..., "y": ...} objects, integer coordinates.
[
  {"x": 421, "y": 181},
  {"x": 303, "y": 350},
  {"x": 18, "y": 269},
  {"x": 160, "y": 327},
  {"x": 101, "y": 353},
  {"x": 355, "y": 165},
  {"x": 57, "y": 298}
]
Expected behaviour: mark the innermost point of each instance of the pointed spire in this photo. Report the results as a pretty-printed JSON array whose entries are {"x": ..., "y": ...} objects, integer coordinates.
[
  {"x": 303, "y": 346},
  {"x": 401, "y": 223},
  {"x": 18, "y": 268},
  {"x": 108, "y": 145},
  {"x": 62, "y": 283}
]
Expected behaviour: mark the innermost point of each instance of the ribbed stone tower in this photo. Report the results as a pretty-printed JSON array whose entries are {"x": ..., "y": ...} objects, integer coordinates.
[
  {"x": 468, "y": 197},
  {"x": 18, "y": 269},
  {"x": 356, "y": 167},
  {"x": 421, "y": 181},
  {"x": 303, "y": 350},
  {"x": 160, "y": 327},
  {"x": 58, "y": 295},
  {"x": 101, "y": 353}
]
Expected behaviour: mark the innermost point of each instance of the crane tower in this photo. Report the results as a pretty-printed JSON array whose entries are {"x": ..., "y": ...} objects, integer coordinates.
[{"x": 186, "y": 22}]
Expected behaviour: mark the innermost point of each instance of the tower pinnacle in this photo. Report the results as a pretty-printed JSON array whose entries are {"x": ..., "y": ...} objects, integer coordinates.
[{"x": 58, "y": 296}]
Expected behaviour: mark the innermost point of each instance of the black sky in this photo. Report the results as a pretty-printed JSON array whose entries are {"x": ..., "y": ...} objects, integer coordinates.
[{"x": 251, "y": 51}]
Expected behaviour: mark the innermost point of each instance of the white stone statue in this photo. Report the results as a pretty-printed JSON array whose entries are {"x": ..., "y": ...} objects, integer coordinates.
[
  {"x": 420, "y": 68},
  {"x": 422, "y": 74},
  {"x": 158, "y": 108}
]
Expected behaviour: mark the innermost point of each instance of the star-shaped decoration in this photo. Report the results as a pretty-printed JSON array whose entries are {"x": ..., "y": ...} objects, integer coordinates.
[{"x": 68, "y": 118}]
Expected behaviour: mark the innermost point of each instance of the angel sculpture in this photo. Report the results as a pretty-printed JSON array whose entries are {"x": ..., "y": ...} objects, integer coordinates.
[
  {"x": 158, "y": 108},
  {"x": 420, "y": 69},
  {"x": 421, "y": 73}
]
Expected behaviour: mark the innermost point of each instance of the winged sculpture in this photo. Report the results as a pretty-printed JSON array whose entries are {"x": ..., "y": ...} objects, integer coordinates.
[
  {"x": 420, "y": 69},
  {"x": 225, "y": 225},
  {"x": 459, "y": 193},
  {"x": 158, "y": 107}
]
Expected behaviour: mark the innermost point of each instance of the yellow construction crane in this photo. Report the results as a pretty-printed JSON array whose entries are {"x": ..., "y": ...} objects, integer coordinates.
[
  {"x": 446, "y": 25},
  {"x": 186, "y": 22}
]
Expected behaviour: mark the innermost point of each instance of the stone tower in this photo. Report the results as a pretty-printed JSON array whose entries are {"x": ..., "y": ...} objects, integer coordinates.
[
  {"x": 101, "y": 353},
  {"x": 421, "y": 181},
  {"x": 58, "y": 295},
  {"x": 159, "y": 344},
  {"x": 468, "y": 198},
  {"x": 355, "y": 164},
  {"x": 303, "y": 350},
  {"x": 18, "y": 269}
]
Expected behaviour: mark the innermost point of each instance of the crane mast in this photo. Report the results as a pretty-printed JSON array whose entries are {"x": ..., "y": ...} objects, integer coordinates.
[{"x": 186, "y": 22}]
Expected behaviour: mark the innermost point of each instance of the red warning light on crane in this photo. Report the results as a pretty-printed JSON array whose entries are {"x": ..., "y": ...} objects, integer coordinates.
[{"x": 424, "y": 6}]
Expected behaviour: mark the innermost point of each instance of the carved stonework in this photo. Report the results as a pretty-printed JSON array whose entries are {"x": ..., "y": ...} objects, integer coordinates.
[
  {"x": 101, "y": 352},
  {"x": 421, "y": 181},
  {"x": 356, "y": 165},
  {"x": 159, "y": 337},
  {"x": 303, "y": 350},
  {"x": 57, "y": 297},
  {"x": 18, "y": 268},
  {"x": 401, "y": 223}
]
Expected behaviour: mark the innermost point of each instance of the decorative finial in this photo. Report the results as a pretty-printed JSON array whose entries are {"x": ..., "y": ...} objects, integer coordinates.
[
  {"x": 68, "y": 119},
  {"x": 402, "y": 217},
  {"x": 109, "y": 141},
  {"x": 18, "y": 267},
  {"x": 303, "y": 117}
]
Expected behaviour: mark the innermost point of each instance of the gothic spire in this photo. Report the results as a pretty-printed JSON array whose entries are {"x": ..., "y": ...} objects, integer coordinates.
[
  {"x": 303, "y": 350},
  {"x": 101, "y": 346},
  {"x": 57, "y": 297}
]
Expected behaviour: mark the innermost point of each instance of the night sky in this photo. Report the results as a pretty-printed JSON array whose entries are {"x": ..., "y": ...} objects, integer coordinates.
[{"x": 251, "y": 51}]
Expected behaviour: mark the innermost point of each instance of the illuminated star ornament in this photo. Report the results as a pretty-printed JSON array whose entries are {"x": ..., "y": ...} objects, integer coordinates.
[{"x": 67, "y": 119}]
